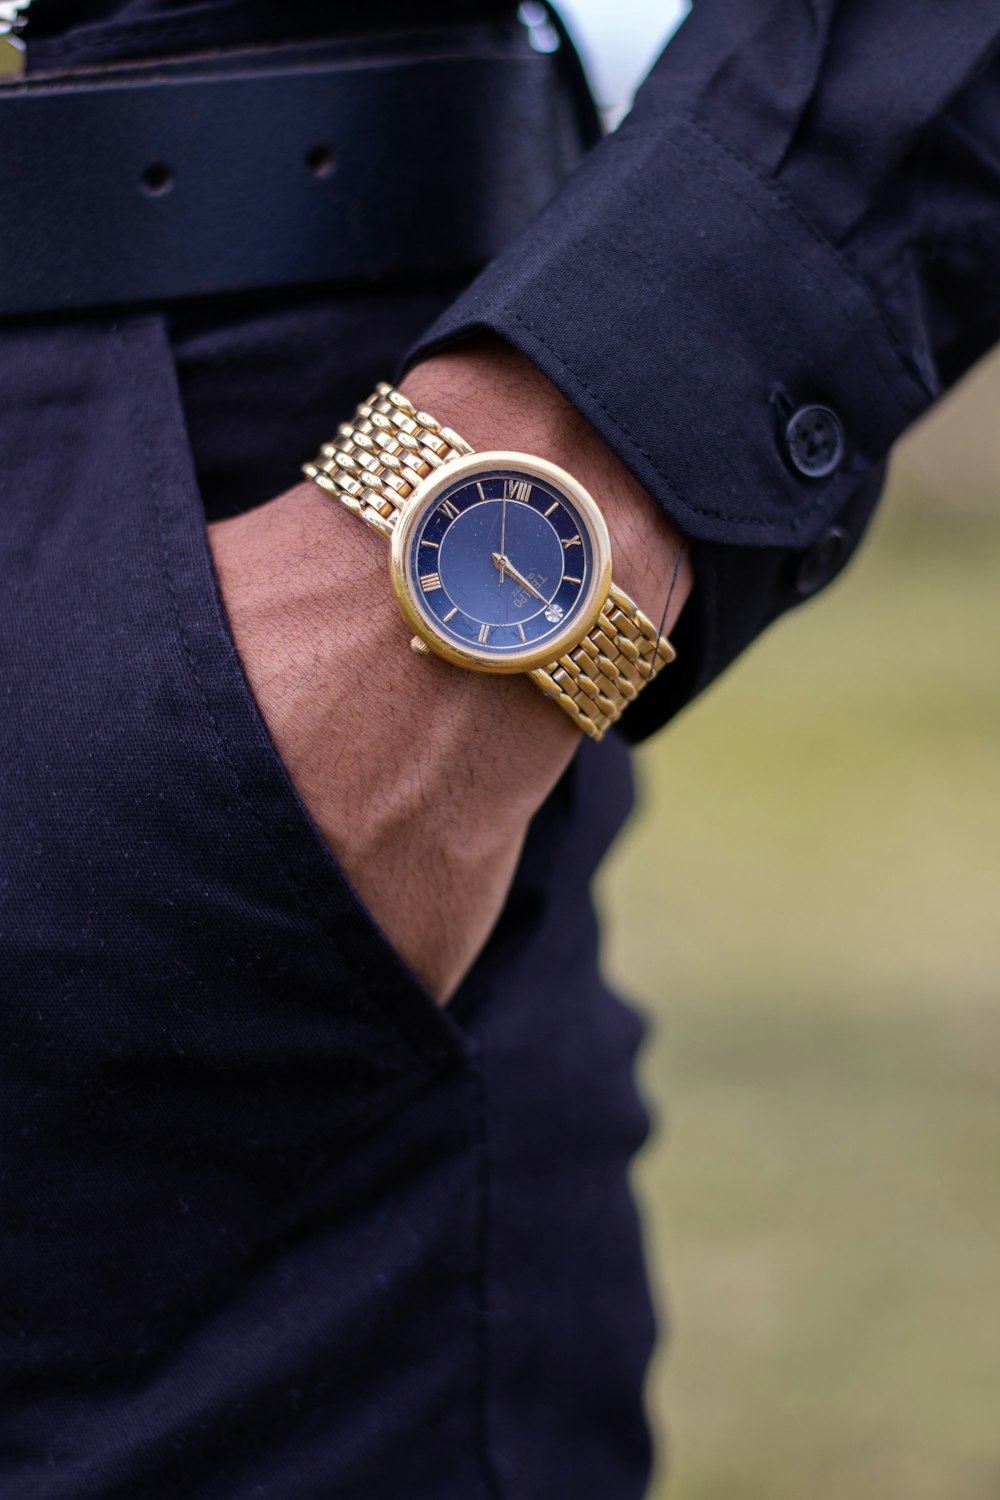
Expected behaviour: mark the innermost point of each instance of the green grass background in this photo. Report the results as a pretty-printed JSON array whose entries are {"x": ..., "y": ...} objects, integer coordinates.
[{"x": 807, "y": 909}]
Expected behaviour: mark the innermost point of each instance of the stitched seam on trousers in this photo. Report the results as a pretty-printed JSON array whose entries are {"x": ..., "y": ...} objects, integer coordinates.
[
  {"x": 828, "y": 500},
  {"x": 294, "y": 881},
  {"x": 484, "y": 1450}
]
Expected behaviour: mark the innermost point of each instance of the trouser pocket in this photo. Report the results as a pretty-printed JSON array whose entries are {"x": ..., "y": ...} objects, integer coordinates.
[{"x": 200, "y": 1013}]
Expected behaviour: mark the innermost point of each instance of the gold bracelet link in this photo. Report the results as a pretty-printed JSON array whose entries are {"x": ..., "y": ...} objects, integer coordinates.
[
  {"x": 597, "y": 681},
  {"x": 376, "y": 461}
]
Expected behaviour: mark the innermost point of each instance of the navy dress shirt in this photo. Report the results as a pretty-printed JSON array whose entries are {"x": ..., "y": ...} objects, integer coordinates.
[{"x": 801, "y": 212}]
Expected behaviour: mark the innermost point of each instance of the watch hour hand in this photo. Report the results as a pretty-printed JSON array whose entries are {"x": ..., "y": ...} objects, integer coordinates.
[{"x": 505, "y": 565}]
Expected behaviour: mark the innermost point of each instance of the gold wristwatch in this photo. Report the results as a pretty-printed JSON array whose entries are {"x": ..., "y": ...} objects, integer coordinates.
[{"x": 501, "y": 561}]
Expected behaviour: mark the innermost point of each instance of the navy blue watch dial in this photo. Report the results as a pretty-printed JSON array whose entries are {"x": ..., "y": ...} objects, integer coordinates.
[{"x": 500, "y": 561}]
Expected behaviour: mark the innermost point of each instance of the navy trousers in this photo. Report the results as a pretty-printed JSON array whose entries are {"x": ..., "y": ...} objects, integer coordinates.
[{"x": 272, "y": 1223}]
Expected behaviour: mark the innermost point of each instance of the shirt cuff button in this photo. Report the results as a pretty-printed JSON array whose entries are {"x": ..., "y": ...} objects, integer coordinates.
[
  {"x": 814, "y": 441},
  {"x": 818, "y": 563}
]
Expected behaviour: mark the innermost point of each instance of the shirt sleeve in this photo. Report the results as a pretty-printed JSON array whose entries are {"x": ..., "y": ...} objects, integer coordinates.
[{"x": 787, "y": 251}]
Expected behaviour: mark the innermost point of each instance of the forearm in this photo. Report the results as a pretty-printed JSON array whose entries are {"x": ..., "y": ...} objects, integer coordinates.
[{"x": 421, "y": 776}]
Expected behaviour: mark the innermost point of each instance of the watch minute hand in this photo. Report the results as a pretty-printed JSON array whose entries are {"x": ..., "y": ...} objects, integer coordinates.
[
  {"x": 505, "y": 564},
  {"x": 503, "y": 533}
]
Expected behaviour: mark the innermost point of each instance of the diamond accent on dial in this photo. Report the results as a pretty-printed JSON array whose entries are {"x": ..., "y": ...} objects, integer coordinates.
[{"x": 554, "y": 613}]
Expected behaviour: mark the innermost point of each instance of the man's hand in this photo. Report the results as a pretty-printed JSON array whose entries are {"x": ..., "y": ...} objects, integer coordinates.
[{"x": 422, "y": 777}]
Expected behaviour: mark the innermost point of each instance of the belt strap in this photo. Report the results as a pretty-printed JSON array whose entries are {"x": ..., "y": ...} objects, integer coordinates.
[{"x": 282, "y": 167}]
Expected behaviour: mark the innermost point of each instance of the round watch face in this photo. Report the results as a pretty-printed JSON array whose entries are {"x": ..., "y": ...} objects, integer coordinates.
[{"x": 501, "y": 561}]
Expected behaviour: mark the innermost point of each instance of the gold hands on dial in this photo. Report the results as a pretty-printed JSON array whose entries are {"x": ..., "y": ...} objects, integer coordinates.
[{"x": 505, "y": 565}]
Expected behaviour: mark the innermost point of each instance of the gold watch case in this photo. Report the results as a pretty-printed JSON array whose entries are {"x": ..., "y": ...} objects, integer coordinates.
[{"x": 408, "y": 594}]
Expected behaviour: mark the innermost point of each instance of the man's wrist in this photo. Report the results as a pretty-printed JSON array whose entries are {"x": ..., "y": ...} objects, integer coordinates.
[{"x": 496, "y": 398}]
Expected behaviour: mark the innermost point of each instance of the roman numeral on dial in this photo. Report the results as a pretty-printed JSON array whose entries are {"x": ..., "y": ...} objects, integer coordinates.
[
  {"x": 517, "y": 489},
  {"x": 573, "y": 541},
  {"x": 451, "y": 511},
  {"x": 430, "y": 581},
  {"x": 484, "y": 634}
]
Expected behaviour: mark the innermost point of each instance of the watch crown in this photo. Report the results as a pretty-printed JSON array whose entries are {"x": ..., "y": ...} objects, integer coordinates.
[{"x": 419, "y": 646}]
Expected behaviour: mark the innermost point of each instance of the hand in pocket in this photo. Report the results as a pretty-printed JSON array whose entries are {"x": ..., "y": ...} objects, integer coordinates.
[{"x": 421, "y": 776}]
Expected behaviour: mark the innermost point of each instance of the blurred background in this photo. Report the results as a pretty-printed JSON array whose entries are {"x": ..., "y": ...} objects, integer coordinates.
[{"x": 807, "y": 910}]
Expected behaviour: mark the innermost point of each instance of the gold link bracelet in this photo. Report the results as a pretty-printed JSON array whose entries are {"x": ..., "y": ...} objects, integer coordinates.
[{"x": 375, "y": 465}]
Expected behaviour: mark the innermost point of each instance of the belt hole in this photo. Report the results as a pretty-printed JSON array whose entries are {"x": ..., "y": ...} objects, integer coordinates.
[
  {"x": 157, "y": 179},
  {"x": 319, "y": 160}
]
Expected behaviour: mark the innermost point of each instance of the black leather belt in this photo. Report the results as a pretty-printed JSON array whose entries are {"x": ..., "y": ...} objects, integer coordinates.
[{"x": 281, "y": 166}]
